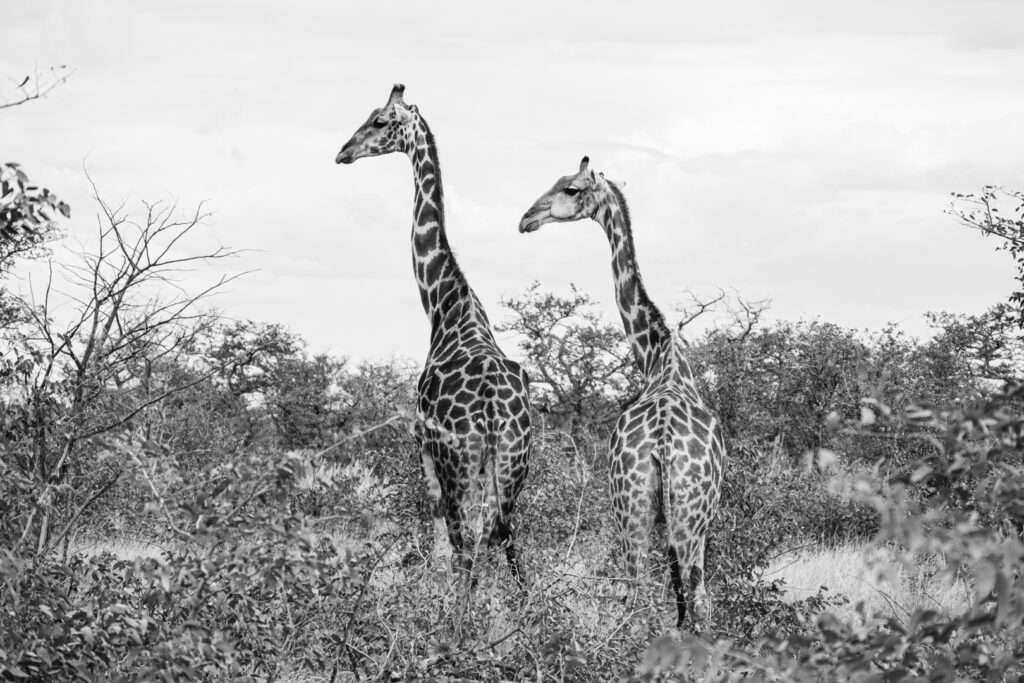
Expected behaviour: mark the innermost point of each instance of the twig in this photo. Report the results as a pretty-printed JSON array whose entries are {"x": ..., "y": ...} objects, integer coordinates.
[
  {"x": 356, "y": 434},
  {"x": 159, "y": 498},
  {"x": 67, "y": 527}
]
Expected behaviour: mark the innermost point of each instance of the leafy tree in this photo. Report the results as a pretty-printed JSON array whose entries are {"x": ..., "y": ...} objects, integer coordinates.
[
  {"x": 88, "y": 373},
  {"x": 27, "y": 215},
  {"x": 998, "y": 212},
  {"x": 580, "y": 366},
  {"x": 302, "y": 395},
  {"x": 27, "y": 212},
  {"x": 989, "y": 347}
]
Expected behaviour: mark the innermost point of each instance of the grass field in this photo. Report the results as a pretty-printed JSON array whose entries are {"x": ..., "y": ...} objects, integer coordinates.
[{"x": 872, "y": 576}]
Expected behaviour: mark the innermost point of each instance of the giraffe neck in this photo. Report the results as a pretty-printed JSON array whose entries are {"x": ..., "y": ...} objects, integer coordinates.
[
  {"x": 645, "y": 326},
  {"x": 440, "y": 281}
]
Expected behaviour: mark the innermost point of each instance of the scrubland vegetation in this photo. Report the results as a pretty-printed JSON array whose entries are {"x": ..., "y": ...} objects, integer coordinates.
[{"x": 186, "y": 498}]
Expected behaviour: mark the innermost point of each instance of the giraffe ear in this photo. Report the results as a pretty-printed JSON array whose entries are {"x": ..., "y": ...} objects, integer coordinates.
[{"x": 617, "y": 183}]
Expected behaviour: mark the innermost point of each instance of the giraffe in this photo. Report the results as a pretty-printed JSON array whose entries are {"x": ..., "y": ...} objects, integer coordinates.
[
  {"x": 666, "y": 448},
  {"x": 468, "y": 388}
]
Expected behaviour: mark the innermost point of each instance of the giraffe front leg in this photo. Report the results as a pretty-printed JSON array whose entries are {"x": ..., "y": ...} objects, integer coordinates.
[{"x": 441, "y": 554}]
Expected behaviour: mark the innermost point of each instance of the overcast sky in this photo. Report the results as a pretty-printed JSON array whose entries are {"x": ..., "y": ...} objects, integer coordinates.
[{"x": 786, "y": 150}]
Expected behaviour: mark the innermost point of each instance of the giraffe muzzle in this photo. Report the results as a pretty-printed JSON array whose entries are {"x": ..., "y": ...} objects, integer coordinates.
[
  {"x": 345, "y": 156},
  {"x": 532, "y": 221}
]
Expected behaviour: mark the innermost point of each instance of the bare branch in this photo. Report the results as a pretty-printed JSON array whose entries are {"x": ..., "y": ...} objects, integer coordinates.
[
  {"x": 696, "y": 307},
  {"x": 37, "y": 85},
  {"x": 742, "y": 315}
]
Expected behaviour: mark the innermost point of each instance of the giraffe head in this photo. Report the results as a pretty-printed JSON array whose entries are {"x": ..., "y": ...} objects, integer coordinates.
[
  {"x": 389, "y": 129},
  {"x": 572, "y": 198}
]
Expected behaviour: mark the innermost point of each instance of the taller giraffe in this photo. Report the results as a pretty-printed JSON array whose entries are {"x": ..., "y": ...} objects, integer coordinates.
[
  {"x": 666, "y": 449},
  {"x": 468, "y": 387}
]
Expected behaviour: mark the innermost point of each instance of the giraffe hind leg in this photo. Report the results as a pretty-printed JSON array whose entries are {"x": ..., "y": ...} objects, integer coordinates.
[
  {"x": 701, "y": 602},
  {"x": 503, "y": 536},
  {"x": 462, "y": 562},
  {"x": 677, "y": 585}
]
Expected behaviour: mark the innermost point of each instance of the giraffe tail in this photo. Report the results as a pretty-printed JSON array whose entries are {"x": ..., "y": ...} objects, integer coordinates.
[{"x": 494, "y": 427}]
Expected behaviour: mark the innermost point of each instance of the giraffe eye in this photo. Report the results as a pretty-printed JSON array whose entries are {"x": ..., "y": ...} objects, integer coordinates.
[
  {"x": 571, "y": 191},
  {"x": 379, "y": 123}
]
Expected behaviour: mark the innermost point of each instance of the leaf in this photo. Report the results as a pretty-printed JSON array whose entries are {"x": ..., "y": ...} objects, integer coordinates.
[
  {"x": 867, "y": 416},
  {"x": 920, "y": 473},
  {"x": 13, "y": 670},
  {"x": 1004, "y": 599},
  {"x": 826, "y": 458},
  {"x": 984, "y": 580}
]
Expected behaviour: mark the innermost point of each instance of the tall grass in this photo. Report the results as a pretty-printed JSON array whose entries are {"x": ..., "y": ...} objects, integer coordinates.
[{"x": 871, "y": 575}]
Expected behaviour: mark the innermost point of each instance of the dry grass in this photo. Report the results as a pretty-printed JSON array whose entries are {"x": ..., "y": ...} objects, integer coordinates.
[
  {"x": 123, "y": 548},
  {"x": 870, "y": 575}
]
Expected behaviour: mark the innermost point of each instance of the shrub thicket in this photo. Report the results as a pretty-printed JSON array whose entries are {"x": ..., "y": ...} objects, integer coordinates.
[{"x": 280, "y": 499}]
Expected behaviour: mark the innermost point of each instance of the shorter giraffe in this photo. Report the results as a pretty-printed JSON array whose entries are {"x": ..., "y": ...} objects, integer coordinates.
[{"x": 666, "y": 449}]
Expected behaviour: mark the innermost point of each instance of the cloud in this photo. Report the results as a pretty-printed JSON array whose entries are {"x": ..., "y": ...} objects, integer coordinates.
[{"x": 788, "y": 149}]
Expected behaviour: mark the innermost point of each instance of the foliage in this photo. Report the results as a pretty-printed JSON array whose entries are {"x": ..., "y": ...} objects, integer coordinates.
[
  {"x": 243, "y": 588},
  {"x": 91, "y": 374},
  {"x": 27, "y": 211},
  {"x": 998, "y": 212},
  {"x": 970, "y": 516},
  {"x": 581, "y": 368},
  {"x": 283, "y": 494},
  {"x": 27, "y": 216}
]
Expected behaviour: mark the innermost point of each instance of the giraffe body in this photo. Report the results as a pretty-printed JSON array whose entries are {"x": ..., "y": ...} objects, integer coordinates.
[
  {"x": 475, "y": 439},
  {"x": 666, "y": 455},
  {"x": 666, "y": 449}
]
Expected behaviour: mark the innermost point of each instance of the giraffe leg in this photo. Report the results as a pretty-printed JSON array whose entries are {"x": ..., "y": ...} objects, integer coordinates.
[
  {"x": 439, "y": 504},
  {"x": 439, "y": 554},
  {"x": 461, "y": 561},
  {"x": 634, "y": 522},
  {"x": 701, "y": 602},
  {"x": 504, "y": 537},
  {"x": 677, "y": 585},
  {"x": 678, "y": 588}
]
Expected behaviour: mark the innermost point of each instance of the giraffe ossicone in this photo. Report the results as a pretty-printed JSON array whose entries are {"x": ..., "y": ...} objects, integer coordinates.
[
  {"x": 667, "y": 451},
  {"x": 474, "y": 438}
]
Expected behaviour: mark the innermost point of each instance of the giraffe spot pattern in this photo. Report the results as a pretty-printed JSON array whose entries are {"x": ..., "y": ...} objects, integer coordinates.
[{"x": 467, "y": 386}]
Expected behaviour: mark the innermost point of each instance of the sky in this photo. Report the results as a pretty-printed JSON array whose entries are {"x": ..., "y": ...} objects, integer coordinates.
[{"x": 788, "y": 150}]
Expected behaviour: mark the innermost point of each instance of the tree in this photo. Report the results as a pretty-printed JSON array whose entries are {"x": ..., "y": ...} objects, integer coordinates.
[
  {"x": 92, "y": 374},
  {"x": 998, "y": 212},
  {"x": 737, "y": 316},
  {"x": 27, "y": 211},
  {"x": 34, "y": 86},
  {"x": 27, "y": 216},
  {"x": 990, "y": 346},
  {"x": 302, "y": 395},
  {"x": 581, "y": 368}
]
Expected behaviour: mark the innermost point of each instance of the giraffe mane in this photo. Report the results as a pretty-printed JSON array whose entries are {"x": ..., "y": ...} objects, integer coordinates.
[
  {"x": 658, "y": 320},
  {"x": 432, "y": 152}
]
